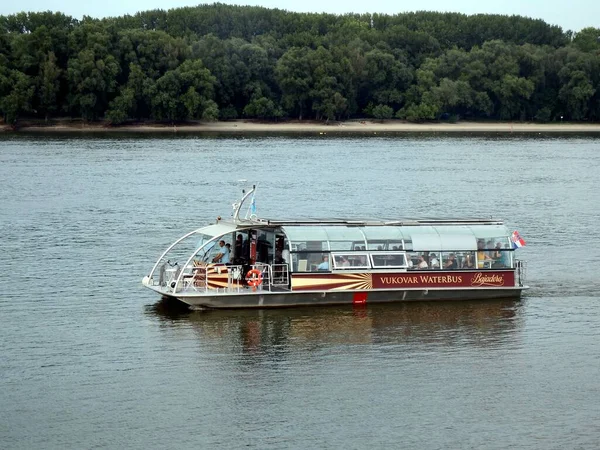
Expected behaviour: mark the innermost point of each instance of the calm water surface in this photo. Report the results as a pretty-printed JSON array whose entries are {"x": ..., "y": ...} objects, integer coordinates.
[{"x": 90, "y": 359}]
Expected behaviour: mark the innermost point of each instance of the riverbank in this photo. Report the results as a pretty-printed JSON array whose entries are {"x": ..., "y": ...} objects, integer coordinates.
[{"x": 353, "y": 126}]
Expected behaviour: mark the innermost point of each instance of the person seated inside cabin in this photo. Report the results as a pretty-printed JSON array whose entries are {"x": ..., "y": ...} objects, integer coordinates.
[
  {"x": 496, "y": 254},
  {"x": 451, "y": 262},
  {"x": 325, "y": 264},
  {"x": 422, "y": 264},
  {"x": 341, "y": 262},
  {"x": 489, "y": 245},
  {"x": 501, "y": 256},
  {"x": 505, "y": 256},
  {"x": 222, "y": 256},
  {"x": 482, "y": 255},
  {"x": 468, "y": 262},
  {"x": 434, "y": 262}
]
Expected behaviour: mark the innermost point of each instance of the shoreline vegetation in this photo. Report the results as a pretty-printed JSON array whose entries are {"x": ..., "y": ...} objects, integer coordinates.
[
  {"x": 271, "y": 69},
  {"x": 306, "y": 126}
]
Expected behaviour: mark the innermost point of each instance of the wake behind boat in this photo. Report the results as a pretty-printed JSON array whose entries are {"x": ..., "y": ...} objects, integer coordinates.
[{"x": 252, "y": 262}]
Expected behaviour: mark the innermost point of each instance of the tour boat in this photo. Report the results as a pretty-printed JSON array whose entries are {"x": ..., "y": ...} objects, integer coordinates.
[{"x": 252, "y": 262}]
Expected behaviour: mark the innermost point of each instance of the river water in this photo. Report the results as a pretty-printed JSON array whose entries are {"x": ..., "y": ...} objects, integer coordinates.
[{"x": 90, "y": 359}]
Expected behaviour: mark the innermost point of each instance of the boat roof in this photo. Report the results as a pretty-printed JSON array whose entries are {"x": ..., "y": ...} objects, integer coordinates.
[
  {"x": 370, "y": 222},
  {"x": 425, "y": 234}
]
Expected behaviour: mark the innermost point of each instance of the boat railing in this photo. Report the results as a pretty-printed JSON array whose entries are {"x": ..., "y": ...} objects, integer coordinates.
[
  {"x": 281, "y": 275},
  {"x": 224, "y": 278},
  {"x": 521, "y": 272},
  {"x": 274, "y": 275},
  {"x": 167, "y": 275}
]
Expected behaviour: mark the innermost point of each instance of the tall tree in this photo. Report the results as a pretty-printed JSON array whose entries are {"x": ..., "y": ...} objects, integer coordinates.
[
  {"x": 18, "y": 99},
  {"x": 49, "y": 85}
]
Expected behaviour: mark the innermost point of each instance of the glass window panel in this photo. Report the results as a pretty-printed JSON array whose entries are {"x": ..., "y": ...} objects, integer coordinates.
[
  {"x": 489, "y": 231},
  {"x": 311, "y": 262},
  {"x": 341, "y": 261},
  {"x": 344, "y": 238},
  {"x": 410, "y": 230},
  {"x": 296, "y": 233},
  {"x": 383, "y": 233},
  {"x": 351, "y": 261},
  {"x": 454, "y": 229},
  {"x": 377, "y": 245},
  {"x": 466, "y": 260},
  {"x": 450, "y": 261},
  {"x": 383, "y": 237},
  {"x": 217, "y": 229},
  {"x": 433, "y": 260},
  {"x": 426, "y": 241},
  {"x": 418, "y": 261},
  {"x": 504, "y": 259},
  {"x": 388, "y": 260},
  {"x": 307, "y": 237},
  {"x": 344, "y": 233},
  {"x": 458, "y": 242},
  {"x": 341, "y": 245}
]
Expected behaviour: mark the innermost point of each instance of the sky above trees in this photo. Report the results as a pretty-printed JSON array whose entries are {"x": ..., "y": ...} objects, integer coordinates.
[{"x": 570, "y": 15}]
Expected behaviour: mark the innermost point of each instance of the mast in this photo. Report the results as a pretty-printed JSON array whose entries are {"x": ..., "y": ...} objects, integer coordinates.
[{"x": 238, "y": 205}]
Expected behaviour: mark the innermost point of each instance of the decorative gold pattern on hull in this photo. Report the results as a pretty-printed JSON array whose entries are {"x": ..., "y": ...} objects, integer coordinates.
[{"x": 337, "y": 282}]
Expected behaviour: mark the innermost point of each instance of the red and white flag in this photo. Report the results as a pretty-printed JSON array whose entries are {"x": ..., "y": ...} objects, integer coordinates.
[{"x": 517, "y": 240}]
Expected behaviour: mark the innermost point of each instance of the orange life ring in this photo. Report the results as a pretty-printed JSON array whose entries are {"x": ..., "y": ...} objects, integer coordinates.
[{"x": 254, "y": 277}]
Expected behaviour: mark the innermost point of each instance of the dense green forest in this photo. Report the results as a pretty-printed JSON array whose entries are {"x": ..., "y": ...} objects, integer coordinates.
[{"x": 218, "y": 62}]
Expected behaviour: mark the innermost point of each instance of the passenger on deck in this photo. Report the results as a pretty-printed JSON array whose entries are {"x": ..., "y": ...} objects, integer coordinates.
[
  {"x": 285, "y": 255},
  {"x": 238, "y": 248},
  {"x": 325, "y": 264},
  {"x": 278, "y": 257},
  {"x": 468, "y": 262},
  {"x": 222, "y": 255},
  {"x": 422, "y": 263},
  {"x": 434, "y": 262}
]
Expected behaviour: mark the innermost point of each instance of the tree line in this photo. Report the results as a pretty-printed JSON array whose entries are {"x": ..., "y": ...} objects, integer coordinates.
[{"x": 219, "y": 62}]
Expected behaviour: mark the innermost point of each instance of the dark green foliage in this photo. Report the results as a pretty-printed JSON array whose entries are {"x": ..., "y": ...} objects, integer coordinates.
[
  {"x": 383, "y": 112},
  {"x": 18, "y": 98},
  {"x": 226, "y": 62}
]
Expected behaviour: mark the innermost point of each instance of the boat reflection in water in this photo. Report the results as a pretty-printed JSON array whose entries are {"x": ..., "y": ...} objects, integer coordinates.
[{"x": 477, "y": 322}]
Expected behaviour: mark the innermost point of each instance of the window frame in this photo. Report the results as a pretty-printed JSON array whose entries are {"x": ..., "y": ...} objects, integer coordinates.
[
  {"x": 351, "y": 256},
  {"x": 380, "y": 254}
]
